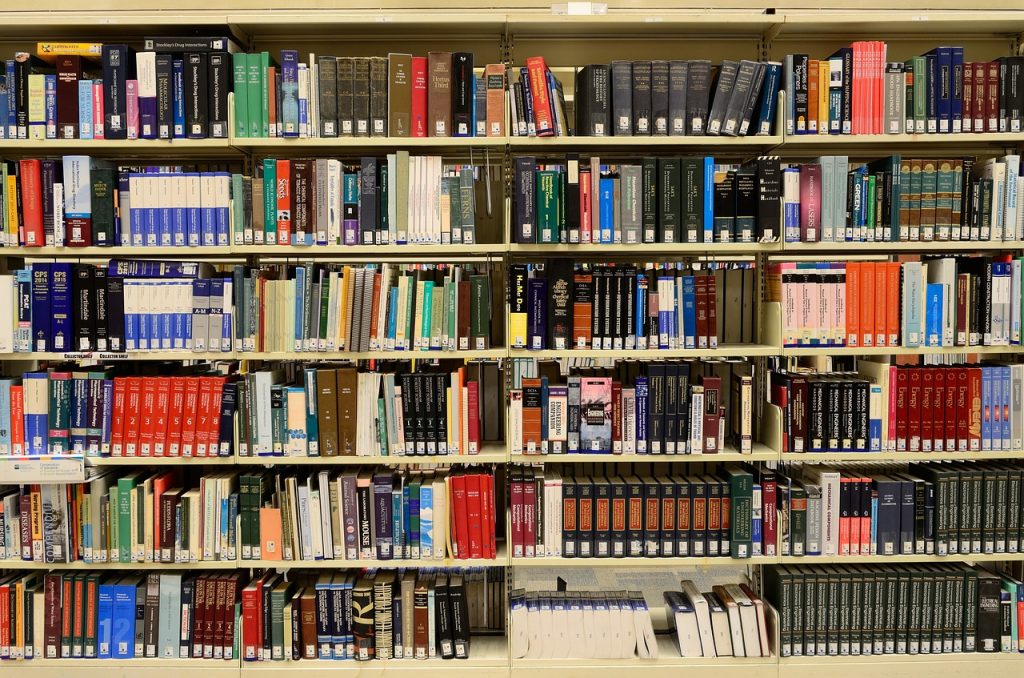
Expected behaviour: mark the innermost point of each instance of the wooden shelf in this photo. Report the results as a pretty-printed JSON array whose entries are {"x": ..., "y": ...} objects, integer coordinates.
[
  {"x": 649, "y": 354},
  {"x": 760, "y": 453},
  {"x": 899, "y": 350},
  {"x": 824, "y": 457},
  {"x": 79, "y": 565},
  {"x": 900, "y": 559},
  {"x": 852, "y": 249},
  {"x": 621, "y": 249},
  {"x": 635, "y": 563},
  {"x": 489, "y": 455}
]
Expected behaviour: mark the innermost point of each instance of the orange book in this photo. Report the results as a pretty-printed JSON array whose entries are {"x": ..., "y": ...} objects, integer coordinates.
[
  {"x": 852, "y": 303},
  {"x": 882, "y": 302},
  {"x": 892, "y": 310},
  {"x": 531, "y": 416},
  {"x": 494, "y": 81},
  {"x": 583, "y": 309},
  {"x": 867, "y": 304},
  {"x": 270, "y": 533},
  {"x": 375, "y": 310},
  {"x": 813, "y": 72}
]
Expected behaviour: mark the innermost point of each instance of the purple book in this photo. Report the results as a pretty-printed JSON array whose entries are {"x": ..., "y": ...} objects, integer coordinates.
[
  {"x": 810, "y": 202},
  {"x": 536, "y": 313},
  {"x": 145, "y": 66}
]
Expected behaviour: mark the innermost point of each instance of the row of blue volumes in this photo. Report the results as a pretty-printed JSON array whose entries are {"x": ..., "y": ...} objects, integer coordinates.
[
  {"x": 80, "y": 201},
  {"x": 140, "y": 305}
]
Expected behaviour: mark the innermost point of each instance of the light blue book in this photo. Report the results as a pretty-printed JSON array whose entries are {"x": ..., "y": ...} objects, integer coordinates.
[
  {"x": 169, "y": 626},
  {"x": 426, "y": 520},
  {"x": 933, "y": 314},
  {"x": 50, "y": 94},
  {"x": 85, "y": 109},
  {"x": 5, "y": 416},
  {"x": 709, "y": 199}
]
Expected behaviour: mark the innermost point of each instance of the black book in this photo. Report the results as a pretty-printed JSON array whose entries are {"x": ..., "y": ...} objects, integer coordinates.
[
  {"x": 593, "y": 101},
  {"x": 104, "y": 183},
  {"x": 652, "y": 516},
  {"x": 725, "y": 206},
  {"x": 622, "y": 98},
  {"x": 196, "y": 92},
  {"x": 618, "y": 491},
  {"x": 738, "y": 97},
  {"x": 361, "y": 95},
  {"x": 165, "y": 95},
  {"x": 769, "y": 191},
  {"x": 682, "y": 520},
  {"x": 585, "y": 514},
  {"x": 560, "y": 303},
  {"x": 746, "y": 205},
  {"x": 115, "y": 313},
  {"x": 670, "y": 408},
  {"x": 642, "y": 98},
  {"x": 99, "y": 277},
  {"x": 677, "y": 75},
  {"x": 683, "y": 408},
  {"x": 443, "y": 618},
  {"x": 659, "y": 98},
  {"x": 85, "y": 305},
  {"x": 698, "y": 92},
  {"x": 526, "y": 203},
  {"x": 724, "y": 83},
  {"x": 118, "y": 68},
  {"x": 570, "y": 517},
  {"x": 378, "y": 97},
  {"x": 987, "y": 634},
  {"x": 460, "y": 616},
  {"x": 228, "y": 407},
  {"x": 429, "y": 405},
  {"x": 668, "y": 518},
  {"x": 602, "y": 518},
  {"x": 669, "y": 205},
  {"x": 635, "y": 510},
  {"x": 345, "y": 90},
  {"x": 328, "y": 76},
  {"x": 753, "y": 97},
  {"x": 462, "y": 94},
  {"x": 220, "y": 85},
  {"x": 440, "y": 388},
  {"x": 363, "y": 619},
  {"x": 368, "y": 199}
]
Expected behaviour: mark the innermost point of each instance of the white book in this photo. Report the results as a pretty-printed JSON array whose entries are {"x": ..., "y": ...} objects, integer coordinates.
[
  {"x": 683, "y": 620},
  {"x": 145, "y": 67},
  {"x": 750, "y": 632},
  {"x": 519, "y": 631},
  {"x": 829, "y": 481},
  {"x": 628, "y": 421},
  {"x": 534, "y": 627},
  {"x": 703, "y": 613},
  {"x": 314, "y": 526},
  {"x": 58, "y": 216},
  {"x": 515, "y": 421},
  {"x": 697, "y": 420},
  {"x": 8, "y": 316},
  {"x": 720, "y": 626},
  {"x": 326, "y": 526},
  {"x": 995, "y": 170},
  {"x": 1011, "y": 228}
]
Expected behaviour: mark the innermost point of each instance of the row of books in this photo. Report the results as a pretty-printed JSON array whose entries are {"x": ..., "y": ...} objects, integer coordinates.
[
  {"x": 377, "y": 614},
  {"x": 856, "y": 90},
  {"x": 575, "y": 515},
  {"x": 581, "y": 625},
  {"x": 640, "y": 408},
  {"x": 560, "y": 304},
  {"x": 903, "y": 199},
  {"x": 135, "y": 517},
  {"x": 948, "y": 301},
  {"x": 671, "y": 98},
  {"x": 664, "y": 200},
  {"x": 325, "y": 410},
  {"x": 890, "y": 609},
  {"x": 79, "y": 201},
  {"x": 728, "y": 621},
  {"x": 369, "y": 515},
  {"x": 901, "y": 509},
  {"x": 882, "y": 407}
]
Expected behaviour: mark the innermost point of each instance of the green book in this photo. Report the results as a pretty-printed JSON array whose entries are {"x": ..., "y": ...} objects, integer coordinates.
[
  {"x": 919, "y": 64},
  {"x": 240, "y": 64},
  {"x": 547, "y": 205},
  {"x": 238, "y": 208},
  {"x": 410, "y": 309},
  {"x": 264, "y": 94},
  {"x": 269, "y": 201},
  {"x": 870, "y": 212},
  {"x": 104, "y": 183},
  {"x": 467, "y": 206},
  {"x": 325, "y": 294},
  {"x": 383, "y": 216},
  {"x": 425, "y": 302},
  {"x": 741, "y": 506},
  {"x": 253, "y": 94},
  {"x": 382, "y": 431},
  {"x": 60, "y": 413},
  {"x": 278, "y": 598},
  {"x": 437, "y": 316},
  {"x": 451, "y": 186},
  {"x": 125, "y": 485}
]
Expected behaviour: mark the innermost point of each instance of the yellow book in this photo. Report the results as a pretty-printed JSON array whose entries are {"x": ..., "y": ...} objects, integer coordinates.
[
  {"x": 417, "y": 320},
  {"x": 36, "y": 106},
  {"x": 36, "y": 512},
  {"x": 823, "y": 83},
  {"x": 49, "y": 51},
  {"x": 12, "y": 210}
]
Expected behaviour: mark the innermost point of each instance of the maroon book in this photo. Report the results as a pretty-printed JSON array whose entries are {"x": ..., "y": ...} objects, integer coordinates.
[{"x": 69, "y": 72}]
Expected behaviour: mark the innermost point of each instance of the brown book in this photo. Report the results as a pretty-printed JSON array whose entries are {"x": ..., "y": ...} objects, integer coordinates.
[
  {"x": 492, "y": 406},
  {"x": 399, "y": 95},
  {"x": 361, "y": 95},
  {"x": 439, "y": 94},
  {"x": 307, "y": 620},
  {"x": 221, "y": 615},
  {"x": 199, "y": 617},
  {"x": 379, "y": 96},
  {"x": 226, "y": 621},
  {"x": 168, "y": 502},
  {"x": 712, "y": 405},
  {"x": 463, "y": 315},
  {"x": 327, "y": 411},
  {"x": 347, "y": 388},
  {"x": 421, "y": 620},
  {"x": 494, "y": 81},
  {"x": 52, "y": 586},
  {"x": 69, "y": 72},
  {"x": 272, "y": 99}
]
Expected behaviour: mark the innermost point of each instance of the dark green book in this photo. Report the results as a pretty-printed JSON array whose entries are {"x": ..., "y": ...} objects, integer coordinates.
[
  {"x": 741, "y": 504},
  {"x": 669, "y": 204},
  {"x": 649, "y": 199},
  {"x": 104, "y": 181}
]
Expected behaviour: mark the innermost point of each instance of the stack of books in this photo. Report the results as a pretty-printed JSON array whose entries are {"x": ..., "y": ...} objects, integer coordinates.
[{"x": 728, "y": 621}]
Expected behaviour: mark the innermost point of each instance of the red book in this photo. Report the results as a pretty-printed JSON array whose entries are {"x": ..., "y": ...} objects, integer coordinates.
[
  {"x": 516, "y": 507},
  {"x": 529, "y": 517},
  {"x": 992, "y": 97},
  {"x": 5, "y": 617},
  {"x": 203, "y": 415},
  {"x": 474, "y": 512},
  {"x": 67, "y": 613},
  {"x": 160, "y": 415},
  {"x": 617, "y": 417},
  {"x": 913, "y": 411},
  {"x": 927, "y": 411},
  {"x": 543, "y": 114},
  {"x": 31, "y": 203},
  {"x": 950, "y": 409},
  {"x": 974, "y": 408},
  {"x": 963, "y": 420},
  {"x": 473, "y": 416},
  {"x": 419, "y": 96},
  {"x": 939, "y": 409},
  {"x": 284, "y": 202},
  {"x": 69, "y": 72},
  {"x": 967, "y": 110},
  {"x": 199, "y": 617},
  {"x": 900, "y": 427},
  {"x": 487, "y": 515},
  {"x": 272, "y": 120},
  {"x": 459, "y": 510},
  {"x": 213, "y": 427},
  {"x": 161, "y": 484},
  {"x": 147, "y": 416},
  {"x": 188, "y": 421},
  {"x": 175, "y": 415},
  {"x": 118, "y": 417},
  {"x": 586, "y": 208},
  {"x": 17, "y": 420},
  {"x": 133, "y": 416}
]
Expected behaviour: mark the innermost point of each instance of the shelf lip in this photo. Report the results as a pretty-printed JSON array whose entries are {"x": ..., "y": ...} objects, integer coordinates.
[
  {"x": 711, "y": 561},
  {"x": 358, "y": 143},
  {"x": 762, "y": 454},
  {"x": 116, "y": 356},
  {"x": 159, "y": 461},
  {"x": 596, "y": 249},
  {"x": 803, "y": 457},
  {"x": 115, "y": 251},
  {"x": 722, "y": 351},
  {"x": 902, "y": 659},
  {"x": 855, "y": 248},
  {"x": 898, "y": 559},
  {"x": 482, "y": 458},
  {"x": 896, "y": 350},
  {"x": 492, "y": 353},
  {"x": 643, "y": 142},
  {"x": 964, "y": 138},
  {"x": 81, "y": 565},
  {"x": 107, "y": 145},
  {"x": 410, "y": 250},
  {"x": 133, "y": 663},
  {"x": 336, "y": 564}
]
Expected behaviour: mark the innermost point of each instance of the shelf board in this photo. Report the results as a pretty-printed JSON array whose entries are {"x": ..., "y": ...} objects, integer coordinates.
[
  {"x": 159, "y": 461},
  {"x": 723, "y": 351},
  {"x": 500, "y": 561},
  {"x": 620, "y": 249},
  {"x": 634, "y": 563},
  {"x": 812, "y": 457},
  {"x": 489, "y": 455},
  {"x": 816, "y": 24},
  {"x": 492, "y": 353},
  {"x": 857, "y": 248},
  {"x": 488, "y": 656},
  {"x": 343, "y": 144},
  {"x": 897, "y": 350},
  {"x": 124, "y": 668},
  {"x": 760, "y": 453},
  {"x": 376, "y": 251},
  {"x": 79, "y": 565},
  {"x": 641, "y": 143},
  {"x": 135, "y": 355},
  {"x": 131, "y": 147},
  {"x": 668, "y": 663},
  {"x": 866, "y": 141},
  {"x": 898, "y": 559},
  {"x": 945, "y": 665},
  {"x": 113, "y": 252}
]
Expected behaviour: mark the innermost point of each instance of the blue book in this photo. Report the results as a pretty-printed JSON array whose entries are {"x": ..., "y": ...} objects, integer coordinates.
[
  {"x": 60, "y": 306},
  {"x": 709, "y": 199},
  {"x": 755, "y": 522},
  {"x": 677, "y": 295},
  {"x": 943, "y": 59},
  {"x": 956, "y": 108},
  {"x": 398, "y": 508},
  {"x": 104, "y": 620},
  {"x": 150, "y": 268},
  {"x": 324, "y": 630},
  {"x": 289, "y": 93},
  {"x": 769, "y": 100},
  {"x": 107, "y": 416},
  {"x": 932, "y": 94},
  {"x": 607, "y": 207},
  {"x": 165, "y": 214},
  {"x": 179, "y": 213},
  {"x": 50, "y": 94},
  {"x": 641, "y": 414},
  {"x": 178, "y": 97},
  {"x": 222, "y": 209},
  {"x": 85, "y": 121},
  {"x": 987, "y": 406},
  {"x": 4, "y": 98},
  {"x": 392, "y": 313},
  {"x": 426, "y": 508},
  {"x": 382, "y": 515},
  {"x": 41, "y": 306},
  {"x": 11, "y": 119},
  {"x": 689, "y": 312},
  {"x": 1006, "y": 385},
  {"x": 122, "y": 628},
  {"x": 338, "y": 623},
  {"x": 37, "y": 431},
  {"x": 407, "y": 510},
  {"x": 933, "y": 314}
]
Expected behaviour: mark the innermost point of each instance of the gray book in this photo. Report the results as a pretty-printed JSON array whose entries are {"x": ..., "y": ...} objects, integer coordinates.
[
  {"x": 677, "y": 73},
  {"x": 345, "y": 85},
  {"x": 328, "y": 76},
  {"x": 829, "y": 225},
  {"x": 895, "y": 98},
  {"x": 723, "y": 91},
  {"x": 753, "y": 97},
  {"x": 812, "y": 547},
  {"x": 467, "y": 205},
  {"x": 737, "y": 102},
  {"x": 169, "y": 629},
  {"x": 629, "y": 204}
]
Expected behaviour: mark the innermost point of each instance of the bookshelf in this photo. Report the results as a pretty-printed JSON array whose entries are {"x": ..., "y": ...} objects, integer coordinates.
[{"x": 507, "y": 34}]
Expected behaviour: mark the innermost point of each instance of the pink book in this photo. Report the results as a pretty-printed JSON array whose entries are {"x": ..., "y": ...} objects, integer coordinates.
[
  {"x": 97, "y": 109},
  {"x": 132, "y": 108},
  {"x": 839, "y": 334},
  {"x": 816, "y": 318},
  {"x": 810, "y": 202},
  {"x": 803, "y": 309},
  {"x": 890, "y": 442},
  {"x": 827, "y": 304}
]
